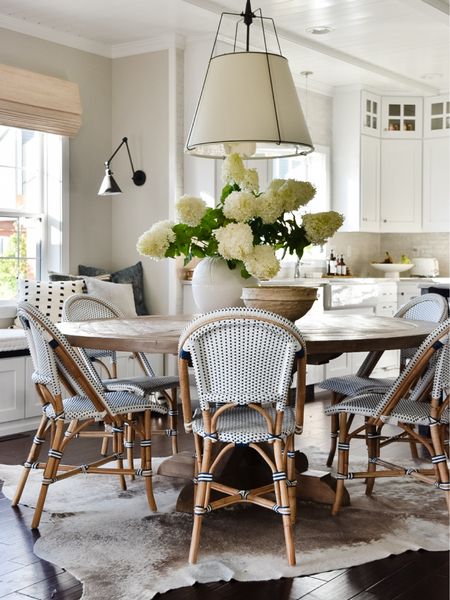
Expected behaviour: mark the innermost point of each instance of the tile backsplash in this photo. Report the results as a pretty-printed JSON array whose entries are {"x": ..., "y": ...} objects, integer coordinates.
[{"x": 360, "y": 249}]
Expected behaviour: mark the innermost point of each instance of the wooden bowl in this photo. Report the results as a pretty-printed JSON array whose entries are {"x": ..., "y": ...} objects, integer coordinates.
[{"x": 290, "y": 301}]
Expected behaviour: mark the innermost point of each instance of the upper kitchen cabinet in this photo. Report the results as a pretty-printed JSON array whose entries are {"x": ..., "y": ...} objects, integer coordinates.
[
  {"x": 356, "y": 159},
  {"x": 401, "y": 185},
  {"x": 436, "y": 184},
  {"x": 370, "y": 114},
  {"x": 436, "y": 117},
  {"x": 436, "y": 160},
  {"x": 401, "y": 117}
]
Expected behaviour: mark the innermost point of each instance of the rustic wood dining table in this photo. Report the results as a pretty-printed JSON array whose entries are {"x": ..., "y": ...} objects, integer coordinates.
[{"x": 326, "y": 335}]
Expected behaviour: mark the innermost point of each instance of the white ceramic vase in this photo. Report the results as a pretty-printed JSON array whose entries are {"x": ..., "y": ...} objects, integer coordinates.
[{"x": 215, "y": 286}]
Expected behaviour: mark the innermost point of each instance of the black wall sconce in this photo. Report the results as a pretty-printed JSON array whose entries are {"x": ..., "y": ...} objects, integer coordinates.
[{"x": 109, "y": 185}]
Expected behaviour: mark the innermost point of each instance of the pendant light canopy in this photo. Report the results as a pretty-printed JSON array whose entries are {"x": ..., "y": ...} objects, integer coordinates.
[{"x": 248, "y": 104}]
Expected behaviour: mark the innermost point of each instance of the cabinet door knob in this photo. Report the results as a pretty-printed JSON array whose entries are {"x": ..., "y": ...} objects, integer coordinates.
[{"x": 384, "y": 220}]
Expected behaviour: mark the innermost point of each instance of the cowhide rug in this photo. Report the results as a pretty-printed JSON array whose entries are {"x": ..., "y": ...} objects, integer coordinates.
[{"x": 112, "y": 542}]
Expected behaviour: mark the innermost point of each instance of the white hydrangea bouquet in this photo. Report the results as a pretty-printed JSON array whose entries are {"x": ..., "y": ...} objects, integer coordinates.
[{"x": 246, "y": 228}]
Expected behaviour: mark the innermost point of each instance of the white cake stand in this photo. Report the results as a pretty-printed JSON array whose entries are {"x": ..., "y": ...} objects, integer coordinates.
[{"x": 392, "y": 270}]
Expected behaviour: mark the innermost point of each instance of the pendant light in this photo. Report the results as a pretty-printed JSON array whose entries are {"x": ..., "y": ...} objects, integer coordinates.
[{"x": 248, "y": 103}]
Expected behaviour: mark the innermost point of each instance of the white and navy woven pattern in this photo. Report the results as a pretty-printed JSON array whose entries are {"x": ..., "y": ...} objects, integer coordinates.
[
  {"x": 147, "y": 385},
  {"x": 44, "y": 334},
  {"x": 352, "y": 384},
  {"x": 243, "y": 425},
  {"x": 242, "y": 356},
  {"x": 441, "y": 381},
  {"x": 429, "y": 307},
  {"x": 407, "y": 410},
  {"x": 82, "y": 307}
]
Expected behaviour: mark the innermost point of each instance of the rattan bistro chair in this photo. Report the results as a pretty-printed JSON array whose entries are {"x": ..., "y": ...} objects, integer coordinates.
[
  {"x": 84, "y": 307},
  {"x": 419, "y": 396},
  {"x": 58, "y": 366},
  {"x": 429, "y": 307},
  {"x": 243, "y": 361}
]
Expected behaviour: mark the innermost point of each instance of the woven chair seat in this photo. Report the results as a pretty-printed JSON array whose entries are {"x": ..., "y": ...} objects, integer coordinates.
[
  {"x": 242, "y": 425},
  {"x": 81, "y": 407},
  {"x": 406, "y": 410},
  {"x": 146, "y": 384},
  {"x": 92, "y": 353},
  {"x": 349, "y": 385}
]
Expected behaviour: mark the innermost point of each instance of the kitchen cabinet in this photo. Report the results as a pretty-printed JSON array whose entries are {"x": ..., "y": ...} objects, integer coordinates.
[
  {"x": 370, "y": 183},
  {"x": 356, "y": 159},
  {"x": 377, "y": 181},
  {"x": 12, "y": 384},
  {"x": 401, "y": 117},
  {"x": 436, "y": 121},
  {"x": 401, "y": 185},
  {"x": 406, "y": 291},
  {"x": 436, "y": 184},
  {"x": 370, "y": 114}
]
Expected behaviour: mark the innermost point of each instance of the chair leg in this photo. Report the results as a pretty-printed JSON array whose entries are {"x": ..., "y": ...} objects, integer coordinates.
[
  {"x": 334, "y": 430},
  {"x": 146, "y": 460},
  {"x": 129, "y": 444},
  {"x": 105, "y": 444},
  {"x": 33, "y": 455},
  {"x": 173, "y": 420},
  {"x": 442, "y": 466},
  {"x": 282, "y": 496},
  {"x": 50, "y": 471},
  {"x": 292, "y": 490},
  {"x": 118, "y": 449},
  {"x": 200, "y": 503},
  {"x": 342, "y": 463},
  {"x": 373, "y": 450}
]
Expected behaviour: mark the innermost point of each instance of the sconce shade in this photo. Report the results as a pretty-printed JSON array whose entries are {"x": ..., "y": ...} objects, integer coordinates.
[
  {"x": 249, "y": 105},
  {"x": 109, "y": 185}
]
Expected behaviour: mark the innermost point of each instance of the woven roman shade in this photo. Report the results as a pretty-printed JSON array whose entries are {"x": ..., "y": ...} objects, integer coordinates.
[{"x": 33, "y": 101}]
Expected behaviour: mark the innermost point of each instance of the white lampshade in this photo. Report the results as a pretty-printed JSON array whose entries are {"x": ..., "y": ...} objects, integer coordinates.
[{"x": 249, "y": 105}]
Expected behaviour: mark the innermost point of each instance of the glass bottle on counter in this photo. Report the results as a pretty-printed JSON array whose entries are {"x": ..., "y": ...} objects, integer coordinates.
[
  {"x": 332, "y": 263},
  {"x": 342, "y": 266}
]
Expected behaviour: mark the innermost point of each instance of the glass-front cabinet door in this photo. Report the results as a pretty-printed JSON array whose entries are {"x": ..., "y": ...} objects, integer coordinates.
[
  {"x": 437, "y": 117},
  {"x": 370, "y": 114},
  {"x": 401, "y": 117}
]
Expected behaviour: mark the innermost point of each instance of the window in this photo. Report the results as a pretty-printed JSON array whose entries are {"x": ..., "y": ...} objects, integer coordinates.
[
  {"x": 31, "y": 168},
  {"x": 313, "y": 168}
]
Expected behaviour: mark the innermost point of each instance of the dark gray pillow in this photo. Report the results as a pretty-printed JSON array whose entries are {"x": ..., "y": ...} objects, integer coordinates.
[
  {"x": 133, "y": 275},
  {"x": 53, "y": 276}
]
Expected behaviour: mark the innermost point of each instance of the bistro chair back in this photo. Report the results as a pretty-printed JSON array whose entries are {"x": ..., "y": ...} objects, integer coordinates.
[
  {"x": 163, "y": 389},
  {"x": 243, "y": 361},
  {"x": 58, "y": 367},
  {"x": 429, "y": 307},
  {"x": 418, "y": 397}
]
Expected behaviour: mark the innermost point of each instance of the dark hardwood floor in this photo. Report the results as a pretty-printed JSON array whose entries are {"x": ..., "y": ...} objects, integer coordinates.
[{"x": 23, "y": 576}]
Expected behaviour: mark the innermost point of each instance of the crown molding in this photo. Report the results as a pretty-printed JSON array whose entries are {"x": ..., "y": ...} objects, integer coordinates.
[
  {"x": 57, "y": 37},
  {"x": 156, "y": 44}
]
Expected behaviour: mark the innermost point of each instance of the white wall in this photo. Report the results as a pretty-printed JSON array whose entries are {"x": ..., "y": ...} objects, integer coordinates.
[
  {"x": 145, "y": 109},
  {"x": 90, "y": 215}
]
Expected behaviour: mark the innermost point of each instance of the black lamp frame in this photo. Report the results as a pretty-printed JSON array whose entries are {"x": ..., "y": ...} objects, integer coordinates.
[{"x": 139, "y": 177}]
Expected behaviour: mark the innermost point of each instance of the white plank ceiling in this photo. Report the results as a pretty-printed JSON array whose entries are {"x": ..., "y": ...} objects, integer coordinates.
[{"x": 392, "y": 45}]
